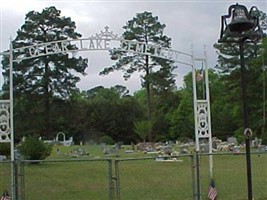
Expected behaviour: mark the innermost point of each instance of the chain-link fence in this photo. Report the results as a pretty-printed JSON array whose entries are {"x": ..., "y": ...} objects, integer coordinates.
[
  {"x": 157, "y": 179},
  {"x": 5, "y": 176},
  {"x": 65, "y": 179},
  {"x": 140, "y": 178}
]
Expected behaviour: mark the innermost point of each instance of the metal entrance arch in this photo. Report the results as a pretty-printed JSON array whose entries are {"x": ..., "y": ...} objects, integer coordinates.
[{"x": 105, "y": 41}]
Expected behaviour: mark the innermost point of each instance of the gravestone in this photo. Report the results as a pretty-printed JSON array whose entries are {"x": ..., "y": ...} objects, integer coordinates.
[
  {"x": 167, "y": 150},
  {"x": 184, "y": 149},
  {"x": 262, "y": 148},
  {"x": 146, "y": 146},
  {"x": 236, "y": 150},
  {"x": 204, "y": 148},
  {"x": 256, "y": 142},
  {"x": 2, "y": 157},
  {"x": 232, "y": 140}
]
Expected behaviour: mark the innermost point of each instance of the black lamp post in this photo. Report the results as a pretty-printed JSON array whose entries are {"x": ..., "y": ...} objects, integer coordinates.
[{"x": 244, "y": 27}]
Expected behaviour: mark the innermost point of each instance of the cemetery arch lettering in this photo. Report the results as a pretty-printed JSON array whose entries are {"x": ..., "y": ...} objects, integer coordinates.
[{"x": 104, "y": 41}]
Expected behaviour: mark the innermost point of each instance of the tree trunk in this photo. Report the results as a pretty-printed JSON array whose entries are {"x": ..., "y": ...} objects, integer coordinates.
[
  {"x": 147, "y": 85},
  {"x": 46, "y": 100}
]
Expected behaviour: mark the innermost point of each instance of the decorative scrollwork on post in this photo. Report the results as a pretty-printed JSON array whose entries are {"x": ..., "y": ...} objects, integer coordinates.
[
  {"x": 4, "y": 121},
  {"x": 202, "y": 119}
]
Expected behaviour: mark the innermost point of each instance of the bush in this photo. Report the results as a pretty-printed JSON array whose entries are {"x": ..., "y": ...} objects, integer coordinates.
[
  {"x": 34, "y": 149},
  {"x": 106, "y": 139},
  {"x": 5, "y": 149}
]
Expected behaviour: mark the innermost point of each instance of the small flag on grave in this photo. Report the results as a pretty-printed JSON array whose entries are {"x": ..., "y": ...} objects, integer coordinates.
[
  {"x": 212, "y": 194},
  {"x": 5, "y": 196}
]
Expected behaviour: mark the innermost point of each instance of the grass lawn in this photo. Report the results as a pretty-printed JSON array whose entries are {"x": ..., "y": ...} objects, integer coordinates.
[
  {"x": 231, "y": 176},
  {"x": 138, "y": 178}
]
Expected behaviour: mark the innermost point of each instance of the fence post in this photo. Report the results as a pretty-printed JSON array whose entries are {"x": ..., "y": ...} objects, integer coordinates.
[
  {"x": 22, "y": 182},
  {"x": 111, "y": 185},
  {"x": 110, "y": 179},
  {"x": 193, "y": 169},
  {"x": 117, "y": 174},
  {"x": 196, "y": 177},
  {"x": 15, "y": 178}
]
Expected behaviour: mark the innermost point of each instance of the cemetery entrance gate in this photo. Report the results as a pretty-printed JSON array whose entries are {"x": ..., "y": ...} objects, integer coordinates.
[{"x": 105, "y": 41}]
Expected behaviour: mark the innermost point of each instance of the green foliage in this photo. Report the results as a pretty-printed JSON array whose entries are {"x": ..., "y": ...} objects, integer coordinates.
[
  {"x": 51, "y": 73},
  {"x": 107, "y": 140},
  {"x": 143, "y": 128},
  {"x": 88, "y": 115},
  {"x": 112, "y": 114},
  {"x": 46, "y": 76},
  {"x": 239, "y": 135},
  {"x": 181, "y": 118},
  {"x": 231, "y": 105},
  {"x": 146, "y": 28},
  {"x": 157, "y": 72},
  {"x": 5, "y": 149},
  {"x": 264, "y": 139},
  {"x": 228, "y": 58},
  {"x": 34, "y": 149}
]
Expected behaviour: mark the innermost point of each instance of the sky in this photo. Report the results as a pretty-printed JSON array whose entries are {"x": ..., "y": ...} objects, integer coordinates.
[{"x": 189, "y": 24}]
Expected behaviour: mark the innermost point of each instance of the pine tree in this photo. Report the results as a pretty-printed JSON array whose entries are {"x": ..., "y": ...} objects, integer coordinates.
[
  {"x": 229, "y": 65},
  {"x": 156, "y": 72},
  {"x": 50, "y": 75}
]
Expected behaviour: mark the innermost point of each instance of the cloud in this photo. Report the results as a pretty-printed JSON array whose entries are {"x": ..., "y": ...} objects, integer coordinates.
[{"x": 188, "y": 23}]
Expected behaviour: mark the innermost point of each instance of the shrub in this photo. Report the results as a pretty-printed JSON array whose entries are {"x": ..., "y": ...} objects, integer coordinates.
[
  {"x": 143, "y": 128},
  {"x": 5, "y": 149},
  {"x": 106, "y": 139},
  {"x": 34, "y": 149}
]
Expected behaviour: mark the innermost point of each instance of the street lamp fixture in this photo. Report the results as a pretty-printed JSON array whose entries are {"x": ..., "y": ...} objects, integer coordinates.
[{"x": 243, "y": 27}]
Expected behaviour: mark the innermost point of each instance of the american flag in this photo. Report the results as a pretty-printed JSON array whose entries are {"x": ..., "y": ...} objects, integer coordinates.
[
  {"x": 200, "y": 75},
  {"x": 212, "y": 191},
  {"x": 5, "y": 196}
]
